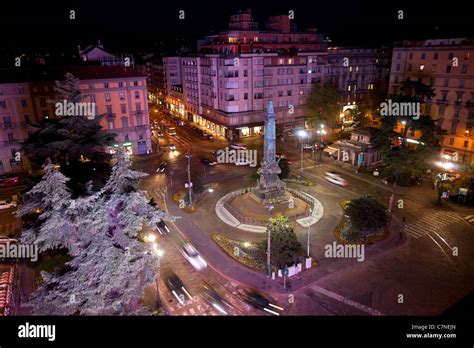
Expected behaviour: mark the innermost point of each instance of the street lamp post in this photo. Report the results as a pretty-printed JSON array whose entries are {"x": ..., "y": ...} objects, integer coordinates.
[
  {"x": 321, "y": 131},
  {"x": 309, "y": 230},
  {"x": 270, "y": 207},
  {"x": 188, "y": 156},
  {"x": 302, "y": 134}
]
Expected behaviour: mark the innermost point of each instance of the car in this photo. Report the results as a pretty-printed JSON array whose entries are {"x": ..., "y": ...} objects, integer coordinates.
[
  {"x": 307, "y": 146},
  {"x": 210, "y": 136},
  {"x": 182, "y": 123},
  {"x": 258, "y": 301},
  {"x": 238, "y": 147},
  {"x": 177, "y": 288},
  {"x": 6, "y": 240},
  {"x": 163, "y": 228},
  {"x": 208, "y": 161},
  {"x": 171, "y": 131},
  {"x": 453, "y": 177},
  {"x": 192, "y": 255},
  {"x": 172, "y": 147},
  {"x": 9, "y": 181},
  {"x": 160, "y": 134},
  {"x": 242, "y": 162},
  {"x": 335, "y": 178},
  {"x": 213, "y": 299},
  {"x": 162, "y": 167},
  {"x": 7, "y": 204}
]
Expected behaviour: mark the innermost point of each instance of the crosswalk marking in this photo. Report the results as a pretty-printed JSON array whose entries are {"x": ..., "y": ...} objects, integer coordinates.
[
  {"x": 431, "y": 223},
  {"x": 470, "y": 219}
]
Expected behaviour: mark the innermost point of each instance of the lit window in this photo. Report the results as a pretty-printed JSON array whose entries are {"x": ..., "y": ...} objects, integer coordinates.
[{"x": 422, "y": 67}]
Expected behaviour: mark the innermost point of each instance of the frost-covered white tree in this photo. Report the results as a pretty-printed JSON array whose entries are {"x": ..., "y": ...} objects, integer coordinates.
[{"x": 110, "y": 266}]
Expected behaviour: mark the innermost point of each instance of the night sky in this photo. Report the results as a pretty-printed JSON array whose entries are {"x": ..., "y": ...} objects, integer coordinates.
[{"x": 123, "y": 25}]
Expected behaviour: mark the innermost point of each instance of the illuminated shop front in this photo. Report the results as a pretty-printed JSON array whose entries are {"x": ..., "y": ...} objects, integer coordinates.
[
  {"x": 210, "y": 126},
  {"x": 250, "y": 131},
  {"x": 128, "y": 146}
]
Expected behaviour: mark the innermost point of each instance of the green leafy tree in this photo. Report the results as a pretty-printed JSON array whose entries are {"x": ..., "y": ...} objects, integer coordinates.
[
  {"x": 366, "y": 213},
  {"x": 284, "y": 246},
  {"x": 75, "y": 143},
  {"x": 323, "y": 106},
  {"x": 405, "y": 159}
]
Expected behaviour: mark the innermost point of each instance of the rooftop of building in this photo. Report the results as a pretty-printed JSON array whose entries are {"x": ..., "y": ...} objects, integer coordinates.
[
  {"x": 462, "y": 41},
  {"x": 89, "y": 72}
]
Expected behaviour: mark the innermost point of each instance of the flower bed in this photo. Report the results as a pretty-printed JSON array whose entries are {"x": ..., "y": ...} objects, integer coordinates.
[
  {"x": 245, "y": 253},
  {"x": 300, "y": 181}
]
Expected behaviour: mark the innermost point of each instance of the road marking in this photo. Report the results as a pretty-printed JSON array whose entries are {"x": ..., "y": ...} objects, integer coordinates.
[
  {"x": 345, "y": 300},
  {"x": 431, "y": 223}
]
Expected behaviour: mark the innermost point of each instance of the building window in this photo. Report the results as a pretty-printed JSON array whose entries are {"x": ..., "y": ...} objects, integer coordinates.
[
  {"x": 399, "y": 55},
  {"x": 446, "y": 82},
  {"x": 464, "y": 69},
  {"x": 456, "y": 113},
  {"x": 111, "y": 124},
  {"x": 135, "y": 83},
  {"x": 451, "y": 141},
  {"x": 23, "y": 103},
  {"x": 138, "y": 107},
  {"x": 106, "y": 85},
  {"x": 441, "y": 111},
  {"x": 410, "y": 56},
  {"x": 258, "y": 96},
  {"x": 423, "y": 55},
  {"x": 461, "y": 83},
  {"x": 450, "y": 56},
  {"x": 120, "y": 84},
  {"x": 124, "y": 122},
  {"x": 246, "y": 96},
  {"x": 435, "y": 55},
  {"x": 398, "y": 67},
  {"x": 107, "y": 97},
  {"x": 27, "y": 118},
  {"x": 448, "y": 69},
  {"x": 409, "y": 67},
  {"x": 137, "y": 95},
  {"x": 433, "y": 68},
  {"x": 454, "y": 126},
  {"x": 467, "y": 55},
  {"x": 109, "y": 109},
  {"x": 122, "y": 96},
  {"x": 7, "y": 120},
  {"x": 139, "y": 120},
  {"x": 10, "y": 137}
]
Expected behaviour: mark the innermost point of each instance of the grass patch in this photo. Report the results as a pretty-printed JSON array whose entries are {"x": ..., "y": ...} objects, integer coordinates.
[{"x": 299, "y": 180}]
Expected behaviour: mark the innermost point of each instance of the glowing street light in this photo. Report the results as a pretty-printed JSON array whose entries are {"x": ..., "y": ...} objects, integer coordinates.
[
  {"x": 150, "y": 238},
  {"x": 302, "y": 134}
]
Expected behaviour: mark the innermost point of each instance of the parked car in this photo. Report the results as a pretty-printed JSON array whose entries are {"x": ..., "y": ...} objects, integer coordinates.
[
  {"x": 177, "y": 288},
  {"x": 160, "y": 134},
  {"x": 192, "y": 255},
  {"x": 336, "y": 178},
  {"x": 210, "y": 137},
  {"x": 238, "y": 147},
  {"x": 7, "y": 204},
  {"x": 172, "y": 147},
  {"x": 208, "y": 161},
  {"x": 307, "y": 146},
  {"x": 163, "y": 228},
  {"x": 9, "y": 181},
  {"x": 162, "y": 167}
]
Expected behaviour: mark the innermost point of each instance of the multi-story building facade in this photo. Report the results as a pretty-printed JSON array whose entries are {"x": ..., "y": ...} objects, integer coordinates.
[
  {"x": 119, "y": 94},
  {"x": 226, "y": 87},
  {"x": 447, "y": 65}
]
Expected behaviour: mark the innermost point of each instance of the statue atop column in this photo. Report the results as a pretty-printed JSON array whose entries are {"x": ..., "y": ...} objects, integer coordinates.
[{"x": 269, "y": 187}]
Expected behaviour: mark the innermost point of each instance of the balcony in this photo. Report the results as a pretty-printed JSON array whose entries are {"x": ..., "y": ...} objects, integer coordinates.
[
  {"x": 470, "y": 104},
  {"x": 110, "y": 115},
  {"x": 8, "y": 125},
  {"x": 442, "y": 101}
]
